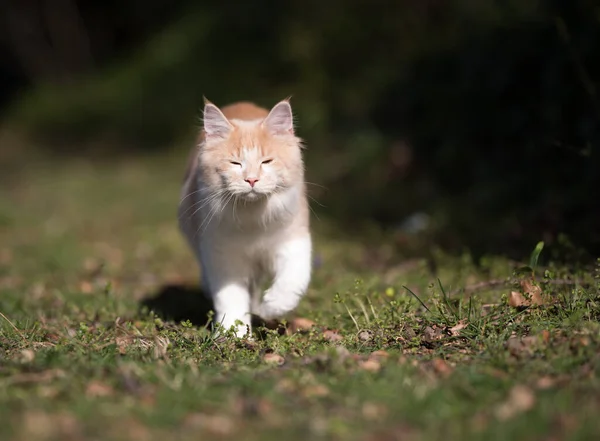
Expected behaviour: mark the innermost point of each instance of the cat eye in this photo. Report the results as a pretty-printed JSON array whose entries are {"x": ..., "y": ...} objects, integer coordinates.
[
  {"x": 235, "y": 163},
  {"x": 267, "y": 161}
]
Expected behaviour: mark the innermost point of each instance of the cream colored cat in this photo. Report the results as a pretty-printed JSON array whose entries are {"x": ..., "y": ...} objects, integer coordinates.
[{"x": 245, "y": 214}]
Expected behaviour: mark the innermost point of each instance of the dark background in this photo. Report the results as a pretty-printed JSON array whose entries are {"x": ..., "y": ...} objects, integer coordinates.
[{"x": 483, "y": 115}]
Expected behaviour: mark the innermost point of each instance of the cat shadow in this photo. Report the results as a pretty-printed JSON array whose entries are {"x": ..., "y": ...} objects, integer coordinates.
[{"x": 180, "y": 303}]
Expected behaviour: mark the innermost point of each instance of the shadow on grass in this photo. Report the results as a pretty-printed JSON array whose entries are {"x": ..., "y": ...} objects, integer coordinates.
[{"x": 179, "y": 303}]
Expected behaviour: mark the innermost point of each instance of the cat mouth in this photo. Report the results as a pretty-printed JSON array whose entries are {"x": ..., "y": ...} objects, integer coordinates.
[{"x": 252, "y": 195}]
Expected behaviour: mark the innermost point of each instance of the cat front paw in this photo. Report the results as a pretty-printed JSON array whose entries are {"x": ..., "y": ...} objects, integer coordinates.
[{"x": 273, "y": 306}]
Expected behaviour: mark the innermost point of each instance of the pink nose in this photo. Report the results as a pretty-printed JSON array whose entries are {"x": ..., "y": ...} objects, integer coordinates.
[{"x": 251, "y": 181}]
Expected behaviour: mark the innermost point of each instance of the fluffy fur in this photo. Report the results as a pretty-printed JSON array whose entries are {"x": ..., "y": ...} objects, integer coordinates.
[{"x": 244, "y": 212}]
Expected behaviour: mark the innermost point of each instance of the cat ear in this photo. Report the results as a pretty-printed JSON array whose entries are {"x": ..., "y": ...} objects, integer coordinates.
[
  {"x": 216, "y": 124},
  {"x": 280, "y": 120}
]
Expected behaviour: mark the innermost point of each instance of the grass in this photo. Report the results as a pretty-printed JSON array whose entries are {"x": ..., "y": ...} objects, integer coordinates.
[{"x": 402, "y": 347}]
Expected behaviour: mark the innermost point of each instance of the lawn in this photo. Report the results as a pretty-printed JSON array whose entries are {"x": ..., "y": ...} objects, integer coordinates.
[{"x": 102, "y": 337}]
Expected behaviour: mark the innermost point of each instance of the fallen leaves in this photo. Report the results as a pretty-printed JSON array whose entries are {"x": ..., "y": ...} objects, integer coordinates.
[
  {"x": 379, "y": 355},
  {"x": 300, "y": 324},
  {"x": 316, "y": 390},
  {"x": 97, "y": 389},
  {"x": 370, "y": 365},
  {"x": 273, "y": 359},
  {"x": 221, "y": 425},
  {"x": 455, "y": 330},
  {"x": 27, "y": 356},
  {"x": 41, "y": 425},
  {"x": 161, "y": 345},
  {"x": 34, "y": 377},
  {"x": 374, "y": 411},
  {"x": 441, "y": 367},
  {"x": 524, "y": 346},
  {"x": 365, "y": 335},
  {"x": 332, "y": 336},
  {"x": 532, "y": 295},
  {"x": 520, "y": 400}
]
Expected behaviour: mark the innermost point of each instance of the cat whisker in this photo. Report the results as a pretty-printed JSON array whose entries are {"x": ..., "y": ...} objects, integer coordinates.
[
  {"x": 188, "y": 195},
  {"x": 204, "y": 202},
  {"x": 207, "y": 219},
  {"x": 316, "y": 185}
]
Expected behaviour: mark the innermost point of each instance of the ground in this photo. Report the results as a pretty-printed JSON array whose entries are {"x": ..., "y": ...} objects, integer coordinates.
[{"x": 101, "y": 334}]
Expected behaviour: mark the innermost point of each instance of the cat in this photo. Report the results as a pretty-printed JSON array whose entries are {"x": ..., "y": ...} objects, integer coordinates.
[{"x": 245, "y": 214}]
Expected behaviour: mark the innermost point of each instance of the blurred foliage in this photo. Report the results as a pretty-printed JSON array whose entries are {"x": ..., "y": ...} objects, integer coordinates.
[{"x": 484, "y": 114}]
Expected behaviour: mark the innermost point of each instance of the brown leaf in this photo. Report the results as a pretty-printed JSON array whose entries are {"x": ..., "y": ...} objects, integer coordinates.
[
  {"x": 274, "y": 359},
  {"x": 36, "y": 377},
  {"x": 122, "y": 343},
  {"x": 370, "y": 365},
  {"x": 379, "y": 355},
  {"x": 251, "y": 406},
  {"x": 432, "y": 333},
  {"x": 215, "y": 424},
  {"x": 98, "y": 389},
  {"x": 517, "y": 300},
  {"x": 532, "y": 295},
  {"x": 342, "y": 353},
  {"x": 546, "y": 335},
  {"x": 455, "y": 330},
  {"x": 27, "y": 356},
  {"x": 300, "y": 324},
  {"x": 522, "y": 346},
  {"x": 317, "y": 390},
  {"x": 365, "y": 336},
  {"x": 520, "y": 399},
  {"x": 161, "y": 345},
  {"x": 545, "y": 383},
  {"x": 285, "y": 386},
  {"x": 373, "y": 411},
  {"x": 332, "y": 336},
  {"x": 441, "y": 367}
]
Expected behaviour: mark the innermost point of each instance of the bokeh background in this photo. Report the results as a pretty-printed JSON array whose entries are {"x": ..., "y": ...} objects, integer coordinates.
[{"x": 472, "y": 123}]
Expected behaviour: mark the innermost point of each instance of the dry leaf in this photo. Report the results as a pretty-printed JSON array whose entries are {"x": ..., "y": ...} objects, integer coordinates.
[
  {"x": 455, "y": 330},
  {"x": 365, "y": 336},
  {"x": 545, "y": 383},
  {"x": 546, "y": 336},
  {"x": 286, "y": 385},
  {"x": 98, "y": 389},
  {"x": 86, "y": 287},
  {"x": 251, "y": 406},
  {"x": 441, "y": 367},
  {"x": 532, "y": 295},
  {"x": 134, "y": 430},
  {"x": 520, "y": 400},
  {"x": 274, "y": 359},
  {"x": 517, "y": 300},
  {"x": 318, "y": 390},
  {"x": 379, "y": 355},
  {"x": 27, "y": 356},
  {"x": 533, "y": 291},
  {"x": 342, "y": 352},
  {"x": 373, "y": 411},
  {"x": 161, "y": 344},
  {"x": 332, "y": 336},
  {"x": 522, "y": 346},
  {"x": 432, "y": 333},
  {"x": 48, "y": 392},
  {"x": 300, "y": 324},
  {"x": 370, "y": 365},
  {"x": 215, "y": 424}
]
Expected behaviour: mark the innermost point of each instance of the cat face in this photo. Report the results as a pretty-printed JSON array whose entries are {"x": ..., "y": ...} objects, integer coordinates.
[{"x": 250, "y": 158}]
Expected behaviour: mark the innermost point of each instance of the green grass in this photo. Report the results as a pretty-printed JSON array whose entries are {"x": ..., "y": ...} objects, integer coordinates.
[{"x": 84, "y": 245}]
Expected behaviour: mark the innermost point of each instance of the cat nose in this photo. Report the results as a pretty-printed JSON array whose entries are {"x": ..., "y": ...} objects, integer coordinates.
[{"x": 251, "y": 181}]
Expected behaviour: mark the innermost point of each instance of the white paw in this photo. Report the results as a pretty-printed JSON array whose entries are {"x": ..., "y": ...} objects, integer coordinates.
[{"x": 274, "y": 306}]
